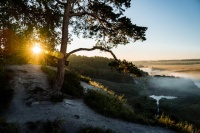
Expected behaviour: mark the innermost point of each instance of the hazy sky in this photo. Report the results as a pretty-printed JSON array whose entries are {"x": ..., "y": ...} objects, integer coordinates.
[{"x": 173, "y": 31}]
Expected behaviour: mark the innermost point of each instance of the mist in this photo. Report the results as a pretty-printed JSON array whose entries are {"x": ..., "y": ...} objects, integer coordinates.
[{"x": 178, "y": 80}]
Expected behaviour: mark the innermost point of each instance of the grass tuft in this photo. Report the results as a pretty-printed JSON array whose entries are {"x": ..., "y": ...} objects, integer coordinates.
[
  {"x": 85, "y": 78},
  {"x": 110, "y": 92},
  {"x": 72, "y": 85},
  {"x": 182, "y": 127}
]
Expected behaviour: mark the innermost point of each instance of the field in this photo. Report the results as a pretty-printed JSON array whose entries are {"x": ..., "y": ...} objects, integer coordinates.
[
  {"x": 170, "y": 62},
  {"x": 182, "y": 68}
]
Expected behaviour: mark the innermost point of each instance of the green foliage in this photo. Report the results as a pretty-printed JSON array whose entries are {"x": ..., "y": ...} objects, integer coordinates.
[
  {"x": 72, "y": 85},
  {"x": 110, "y": 21},
  {"x": 50, "y": 60},
  {"x": 6, "y": 93},
  {"x": 127, "y": 67},
  {"x": 33, "y": 17},
  {"x": 13, "y": 47},
  {"x": 111, "y": 106},
  {"x": 50, "y": 72},
  {"x": 94, "y": 130},
  {"x": 98, "y": 69},
  {"x": 6, "y": 127},
  {"x": 107, "y": 104},
  {"x": 135, "y": 96},
  {"x": 16, "y": 59}
]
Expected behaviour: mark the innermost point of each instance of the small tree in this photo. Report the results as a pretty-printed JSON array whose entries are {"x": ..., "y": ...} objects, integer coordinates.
[{"x": 102, "y": 20}]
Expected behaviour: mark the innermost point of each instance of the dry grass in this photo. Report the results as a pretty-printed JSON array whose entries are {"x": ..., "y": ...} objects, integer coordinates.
[
  {"x": 182, "y": 127},
  {"x": 192, "y": 71},
  {"x": 178, "y": 68},
  {"x": 173, "y": 65}
]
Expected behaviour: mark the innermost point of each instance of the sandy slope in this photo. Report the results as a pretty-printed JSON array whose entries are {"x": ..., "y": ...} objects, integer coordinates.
[{"x": 26, "y": 106}]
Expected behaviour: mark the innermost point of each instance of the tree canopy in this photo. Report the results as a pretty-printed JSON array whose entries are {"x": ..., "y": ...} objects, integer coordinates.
[{"x": 102, "y": 20}]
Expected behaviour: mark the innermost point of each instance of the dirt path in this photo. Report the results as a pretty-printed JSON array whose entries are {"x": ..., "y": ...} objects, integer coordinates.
[{"x": 26, "y": 107}]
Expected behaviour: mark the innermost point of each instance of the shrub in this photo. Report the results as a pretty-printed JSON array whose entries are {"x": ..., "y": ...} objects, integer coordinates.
[
  {"x": 72, "y": 85},
  {"x": 50, "y": 72},
  {"x": 112, "y": 106},
  {"x": 6, "y": 127}
]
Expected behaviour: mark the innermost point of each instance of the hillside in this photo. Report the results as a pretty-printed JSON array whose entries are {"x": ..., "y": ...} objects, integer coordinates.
[
  {"x": 138, "y": 90},
  {"x": 30, "y": 105},
  {"x": 97, "y": 67}
]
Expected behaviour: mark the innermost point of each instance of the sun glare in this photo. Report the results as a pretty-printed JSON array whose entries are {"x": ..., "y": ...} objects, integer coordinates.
[{"x": 36, "y": 49}]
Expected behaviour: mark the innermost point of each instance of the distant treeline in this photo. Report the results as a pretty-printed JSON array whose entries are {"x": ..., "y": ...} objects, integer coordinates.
[{"x": 97, "y": 67}]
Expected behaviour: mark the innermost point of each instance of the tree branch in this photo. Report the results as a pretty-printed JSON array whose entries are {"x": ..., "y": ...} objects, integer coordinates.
[
  {"x": 83, "y": 13},
  {"x": 91, "y": 49},
  {"x": 94, "y": 15},
  {"x": 62, "y": 3}
]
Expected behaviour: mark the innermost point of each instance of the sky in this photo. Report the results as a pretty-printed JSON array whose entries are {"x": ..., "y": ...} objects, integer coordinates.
[{"x": 173, "y": 32}]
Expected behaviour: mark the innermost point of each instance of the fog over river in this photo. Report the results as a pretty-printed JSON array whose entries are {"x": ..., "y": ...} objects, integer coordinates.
[{"x": 194, "y": 77}]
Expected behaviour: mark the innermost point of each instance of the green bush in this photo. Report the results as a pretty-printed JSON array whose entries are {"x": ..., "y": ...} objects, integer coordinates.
[
  {"x": 112, "y": 106},
  {"x": 6, "y": 127},
  {"x": 94, "y": 130},
  {"x": 72, "y": 85},
  {"x": 6, "y": 93},
  {"x": 50, "y": 72},
  {"x": 16, "y": 58}
]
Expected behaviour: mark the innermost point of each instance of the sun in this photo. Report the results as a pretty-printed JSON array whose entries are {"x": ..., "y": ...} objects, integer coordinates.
[{"x": 36, "y": 49}]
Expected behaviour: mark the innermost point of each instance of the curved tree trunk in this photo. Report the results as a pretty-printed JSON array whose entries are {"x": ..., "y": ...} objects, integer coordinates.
[{"x": 64, "y": 42}]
